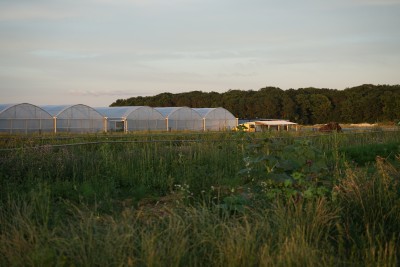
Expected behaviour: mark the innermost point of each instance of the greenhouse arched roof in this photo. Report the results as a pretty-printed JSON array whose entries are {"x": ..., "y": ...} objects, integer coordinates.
[
  {"x": 34, "y": 110},
  {"x": 76, "y": 118},
  {"x": 24, "y": 118},
  {"x": 132, "y": 118},
  {"x": 4, "y": 107},
  {"x": 181, "y": 118},
  {"x": 124, "y": 112},
  {"x": 168, "y": 112},
  {"x": 205, "y": 112},
  {"x": 60, "y": 110},
  {"x": 216, "y": 119}
]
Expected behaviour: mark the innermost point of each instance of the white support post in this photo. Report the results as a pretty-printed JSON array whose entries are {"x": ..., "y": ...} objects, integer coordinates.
[{"x": 55, "y": 124}]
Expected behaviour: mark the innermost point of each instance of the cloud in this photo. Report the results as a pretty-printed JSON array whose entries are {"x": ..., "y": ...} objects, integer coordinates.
[
  {"x": 238, "y": 74},
  {"x": 97, "y": 93},
  {"x": 33, "y": 12},
  {"x": 63, "y": 55},
  {"x": 144, "y": 3},
  {"x": 378, "y": 2}
]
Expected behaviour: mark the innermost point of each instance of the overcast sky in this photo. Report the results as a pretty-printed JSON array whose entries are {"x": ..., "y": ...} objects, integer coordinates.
[{"x": 96, "y": 51}]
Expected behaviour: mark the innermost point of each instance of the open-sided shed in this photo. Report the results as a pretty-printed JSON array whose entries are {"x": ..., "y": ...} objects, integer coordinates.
[
  {"x": 133, "y": 118},
  {"x": 24, "y": 118},
  {"x": 217, "y": 119},
  {"x": 266, "y": 125},
  {"x": 181, "y": 118},
  {"x": 76, "y": 118}
]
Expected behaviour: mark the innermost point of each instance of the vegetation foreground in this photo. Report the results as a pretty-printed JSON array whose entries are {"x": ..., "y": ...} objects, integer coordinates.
[{"x": 201, "y": 200}]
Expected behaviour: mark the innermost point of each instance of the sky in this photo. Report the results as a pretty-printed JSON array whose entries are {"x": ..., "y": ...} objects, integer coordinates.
[{"x": 94, "y": 52}]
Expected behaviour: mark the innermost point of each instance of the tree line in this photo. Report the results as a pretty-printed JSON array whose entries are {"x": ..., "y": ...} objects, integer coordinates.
[{"x": 364, "y": 103}]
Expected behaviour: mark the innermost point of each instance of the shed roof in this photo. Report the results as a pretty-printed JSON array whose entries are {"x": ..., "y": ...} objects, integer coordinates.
[{"x": 274, "y": 122}]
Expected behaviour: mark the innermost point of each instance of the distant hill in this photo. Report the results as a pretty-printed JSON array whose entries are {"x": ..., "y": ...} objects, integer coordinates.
[{"x": 364, "y": 103}]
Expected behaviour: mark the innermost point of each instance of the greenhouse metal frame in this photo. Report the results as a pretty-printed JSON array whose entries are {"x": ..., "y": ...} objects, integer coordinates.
[
  {"x": 24, "y": 118},
  {"x": 181, "y": 118},
  {"x": 132, "y": 118},
  {"x": 77, "y": 118},
  {"x": 217, "y": 119}
]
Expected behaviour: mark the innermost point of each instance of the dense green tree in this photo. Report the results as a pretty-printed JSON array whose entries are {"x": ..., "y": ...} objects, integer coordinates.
[
  {"x": 304, "y": 108},
  {"x": 234, "y": 101},
  {"x": 288, "y": 109},
  {"x": 320, "y": 108},
  {"x": 364, "y": 103}
]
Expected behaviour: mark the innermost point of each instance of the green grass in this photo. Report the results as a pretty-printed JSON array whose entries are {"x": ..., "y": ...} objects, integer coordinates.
[
  {"x": 367, "y": 153},
  {"x": 198, "y": 200}
]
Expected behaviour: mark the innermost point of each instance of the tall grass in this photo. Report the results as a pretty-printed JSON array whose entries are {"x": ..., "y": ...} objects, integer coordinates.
[
  {"x": 101, "y": 172},
  {"x": 370, "y": 212},
  {"x": 182, "y": 236},
  {"x": 164, "y": 204}
]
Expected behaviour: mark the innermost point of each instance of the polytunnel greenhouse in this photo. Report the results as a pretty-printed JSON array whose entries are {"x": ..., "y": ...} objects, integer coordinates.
[
  {"x": 216, "y": 119},
  {"x": 133, "y": 118},
  {"x": 76, "y": 118},
  {"x": 181, "y": 118},
  {"x": 24, "y": 118}
]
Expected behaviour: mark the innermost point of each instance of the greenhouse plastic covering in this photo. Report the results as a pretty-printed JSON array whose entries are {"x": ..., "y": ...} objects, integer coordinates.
[
  {"x": 79, "y": 118},
  {"x": 181, "y": 118},
  {"x": 24, "y": 118},
  {"x": 216, "y": 119},
  {"x": 76, "y": 118},
  {"x": 133, "y": 118}
]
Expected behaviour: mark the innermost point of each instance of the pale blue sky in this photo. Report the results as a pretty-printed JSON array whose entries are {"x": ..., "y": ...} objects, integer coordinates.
[{"x": 96, "y": 51}]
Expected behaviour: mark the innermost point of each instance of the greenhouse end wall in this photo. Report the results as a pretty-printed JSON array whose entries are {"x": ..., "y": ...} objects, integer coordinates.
[
  {"x": 76, "y": 118},
  {"x": 133, "y": 118},
  {"x": 217, "y": 119},
  {"x": 25, "y": 118},
  {"x": 181, "y": 119}
]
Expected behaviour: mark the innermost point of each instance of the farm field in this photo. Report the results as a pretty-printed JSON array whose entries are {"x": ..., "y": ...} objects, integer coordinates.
[{"x": 201, "y": 199}]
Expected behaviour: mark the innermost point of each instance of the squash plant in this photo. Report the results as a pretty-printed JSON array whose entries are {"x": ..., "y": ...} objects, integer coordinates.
[{"x": 296, "y": 170}]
